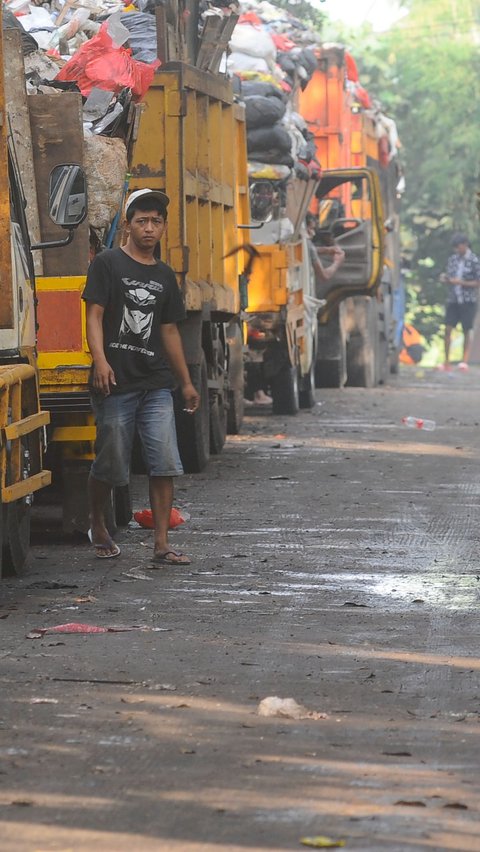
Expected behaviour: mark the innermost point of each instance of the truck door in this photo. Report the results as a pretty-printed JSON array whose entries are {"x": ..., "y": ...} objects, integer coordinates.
[{"x": 350, "y": 215}]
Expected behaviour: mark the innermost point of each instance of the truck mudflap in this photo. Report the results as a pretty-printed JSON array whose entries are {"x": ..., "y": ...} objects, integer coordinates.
[{"x": 21, "y": 429}]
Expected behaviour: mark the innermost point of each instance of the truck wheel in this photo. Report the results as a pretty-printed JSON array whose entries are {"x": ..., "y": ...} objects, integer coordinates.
[
  {"x": 306, "y": 394},
  {"x": 284, "y": 385},
  {"x": 16, "y": 524},
  {"x": 17, "y": 536},
  {"x": 236, "y": 381},
  {"x": 330, "y": 373},
  {"x": 123, "y": 505},
  {"x": 235, "y": 412},
  {"x": 361, "y": 349},
  {"x": 193, "y": 430},
  {"x": 360, "y": 362},
  {"x": 218, "y": 411}
]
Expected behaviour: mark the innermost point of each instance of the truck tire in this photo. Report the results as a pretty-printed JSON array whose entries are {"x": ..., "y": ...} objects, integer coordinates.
[
  {"x": 218, "y": 409},
  {"x": 284, "y": 386},
  {"x": 306, "y": 394},
  {"x": 330, "y": 373},
  {"x": 123, "y": 505},
  {"x": 16, "y": 521},
  {"x": 236, "y": 380},
  {"x": 193, "y": 430},
  {"x": 361, "y": 366},
  {"x": 17, "y": 537},
  {"x": 331, "y": 363}
]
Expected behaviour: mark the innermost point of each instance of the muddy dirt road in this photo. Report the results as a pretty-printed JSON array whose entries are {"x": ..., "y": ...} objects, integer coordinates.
[{"x": 336, "y": 561}]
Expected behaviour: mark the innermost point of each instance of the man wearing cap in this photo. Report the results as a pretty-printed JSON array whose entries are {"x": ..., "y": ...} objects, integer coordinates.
[
  {"x": 133, "y": 307},
  {"x": 462, "y": 276}
]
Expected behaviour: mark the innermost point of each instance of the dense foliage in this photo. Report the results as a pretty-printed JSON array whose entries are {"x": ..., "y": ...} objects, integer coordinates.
[{"x": 426, "y": 73}]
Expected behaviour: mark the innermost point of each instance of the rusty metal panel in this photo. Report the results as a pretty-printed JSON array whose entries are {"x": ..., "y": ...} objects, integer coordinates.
[{"x": 57, "y": 136}]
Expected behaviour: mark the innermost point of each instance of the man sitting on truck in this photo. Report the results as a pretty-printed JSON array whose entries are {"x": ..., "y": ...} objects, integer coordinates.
[{"x": 133, "y": 307}]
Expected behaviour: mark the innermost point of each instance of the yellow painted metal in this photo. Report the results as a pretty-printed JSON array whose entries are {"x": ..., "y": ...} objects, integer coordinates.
[
  {"x": 267, "y": 288},
  {"x": 27, "y": 425},
  {"x": 74, "y": 433},
  {"x": 26, "y": 486},
  {"x": 6, "y": 292},
  {"x": 58, "y": 367},
  {"x": 20, "y": 416},
  {"x": 186, "y": 146}
]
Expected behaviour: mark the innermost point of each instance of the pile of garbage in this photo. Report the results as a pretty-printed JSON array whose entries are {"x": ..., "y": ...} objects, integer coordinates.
[
  {"x": 105, "y": 50},
  {"x": 271, "y": 54}
]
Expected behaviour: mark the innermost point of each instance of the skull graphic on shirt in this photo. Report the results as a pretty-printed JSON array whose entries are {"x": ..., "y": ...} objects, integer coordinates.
[{"x": 138, "y": 312}]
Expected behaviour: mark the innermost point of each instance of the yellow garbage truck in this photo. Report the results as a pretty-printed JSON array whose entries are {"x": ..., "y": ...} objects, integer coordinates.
[
  {"x": 22, "y": 422},
  {"x": 188, "y": 140}
]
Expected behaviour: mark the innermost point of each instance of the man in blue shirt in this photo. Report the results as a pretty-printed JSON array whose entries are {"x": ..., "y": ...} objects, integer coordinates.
[{"x": 462, "y": 276}]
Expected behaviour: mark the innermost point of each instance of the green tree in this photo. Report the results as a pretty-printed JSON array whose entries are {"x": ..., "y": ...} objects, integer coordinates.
[{"x": 426, "y": 73}]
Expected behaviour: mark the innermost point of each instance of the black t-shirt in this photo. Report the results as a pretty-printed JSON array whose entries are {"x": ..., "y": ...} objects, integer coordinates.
[{"x": 138, "y": 298}]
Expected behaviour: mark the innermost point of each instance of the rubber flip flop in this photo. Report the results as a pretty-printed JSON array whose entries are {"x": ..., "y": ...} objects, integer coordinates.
[
  {"x": 116, "y": 549},
  {"x": 162, "y": 558}
]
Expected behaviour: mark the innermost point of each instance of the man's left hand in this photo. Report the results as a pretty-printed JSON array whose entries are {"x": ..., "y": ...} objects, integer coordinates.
[{"x": 191, "y": 398}]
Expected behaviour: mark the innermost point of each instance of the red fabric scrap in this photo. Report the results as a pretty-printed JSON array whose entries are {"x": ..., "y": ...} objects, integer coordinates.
[
  {"x": 100, "y": 64},
  {"x": 282, "y": 42},
  {"x": 144, "y": 518},
  {"x": 250, "y": 18},
  {"x": 351, "y": 67},
  {"x": 75, "y": 627}
]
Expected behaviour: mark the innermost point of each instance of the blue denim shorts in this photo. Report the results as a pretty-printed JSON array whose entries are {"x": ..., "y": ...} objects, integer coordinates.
[{"x": 150, "y": 413}]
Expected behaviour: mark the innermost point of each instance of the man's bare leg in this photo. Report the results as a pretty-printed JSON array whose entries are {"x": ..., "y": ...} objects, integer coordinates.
[
  {"x": 98, "y": 494},
  {"x": 448, "y": 338},
  {"x": 467, "y": 343},
  {"x": 161, "y": 502}
]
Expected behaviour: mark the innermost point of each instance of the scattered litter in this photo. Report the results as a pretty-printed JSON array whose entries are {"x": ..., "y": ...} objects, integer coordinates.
[
  {"x": 74, "y": 627},
  {"x": 320, "y": 842},
  {"x": 136, "y": 574},
  {"x": 352, "y": 603},
  {"x": 397, "y": 753},
  {"x": 412, "y": 804},
  {"x": 50, "y": 584},
  {"x": 144, "y": 518},
  {"x": 419, "y": 423},
  {"x": 278, "y": 477},
  {"x": 43, "y": 701},
  {"x": 287, "y": 708},
  {"x": 86, "y": 599}
]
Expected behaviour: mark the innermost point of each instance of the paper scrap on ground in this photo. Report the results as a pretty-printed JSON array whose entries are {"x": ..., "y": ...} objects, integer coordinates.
[{"x": 287, "y": 708}]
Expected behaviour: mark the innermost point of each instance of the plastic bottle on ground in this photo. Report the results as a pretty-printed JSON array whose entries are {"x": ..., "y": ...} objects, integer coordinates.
[{"x": 419, "y": 423}]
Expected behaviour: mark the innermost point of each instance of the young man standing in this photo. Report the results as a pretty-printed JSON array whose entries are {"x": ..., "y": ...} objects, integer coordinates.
[
  {"x": 463, "y": 279},
  {"x": 133, "y": 307}
]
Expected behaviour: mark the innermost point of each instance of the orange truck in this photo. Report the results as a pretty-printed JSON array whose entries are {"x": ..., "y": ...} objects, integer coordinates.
[{"x": 357, "y": 205}]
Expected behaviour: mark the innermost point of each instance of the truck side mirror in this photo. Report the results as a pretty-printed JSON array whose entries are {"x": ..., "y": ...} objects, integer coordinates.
[{"x": 67, "y": 195}]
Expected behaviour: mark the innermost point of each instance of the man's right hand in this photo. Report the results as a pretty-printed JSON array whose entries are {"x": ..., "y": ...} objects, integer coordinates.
[{"x": 103, "y": 378}]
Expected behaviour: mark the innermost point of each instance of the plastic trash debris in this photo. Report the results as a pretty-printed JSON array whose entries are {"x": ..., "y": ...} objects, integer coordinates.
[
  {"x": 144, "y": 518},
  {"x": 321, "y": 842},
  {"x": 287, "y": 708},
  {"x": 419, "y": 423},
  {"x": 100, "y": 64},
  {"x": 74, "y": 627}
]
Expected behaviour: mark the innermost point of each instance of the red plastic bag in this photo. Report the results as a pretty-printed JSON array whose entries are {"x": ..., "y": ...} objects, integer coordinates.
[
  {"x": 100, "y": 64},
  {"x": 144, "y": 518}
]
